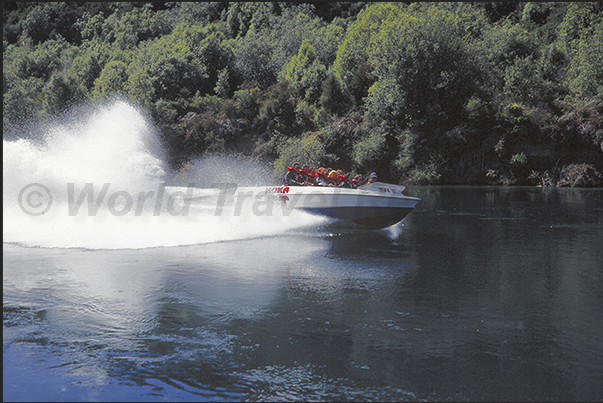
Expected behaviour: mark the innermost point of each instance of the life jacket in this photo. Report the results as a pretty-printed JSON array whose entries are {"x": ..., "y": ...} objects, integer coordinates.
[
  {"x": 343, "y": 181},
  {"x": 307, "y": 178},
  {"x": 293, "y": 177},
  {"x": 320, "y": 179}
]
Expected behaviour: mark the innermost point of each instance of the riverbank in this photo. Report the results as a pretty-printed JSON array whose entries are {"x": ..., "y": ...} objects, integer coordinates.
[{"x": 571, "y": 175}]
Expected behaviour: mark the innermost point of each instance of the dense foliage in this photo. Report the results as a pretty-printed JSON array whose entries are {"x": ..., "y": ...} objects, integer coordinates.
[{"x": 455, "y": 93}]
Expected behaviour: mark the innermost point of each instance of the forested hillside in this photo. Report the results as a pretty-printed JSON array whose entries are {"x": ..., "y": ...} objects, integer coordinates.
[{"x": 424, "y": 93}]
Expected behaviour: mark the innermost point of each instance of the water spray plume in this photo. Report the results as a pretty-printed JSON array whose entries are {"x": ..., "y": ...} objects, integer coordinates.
[{"x": 114, "y": 148}]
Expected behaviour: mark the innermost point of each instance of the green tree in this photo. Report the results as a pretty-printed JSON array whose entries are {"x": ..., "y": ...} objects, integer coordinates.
[
  {"x": 85, "y": 69},
  {"x": 500, "y": 47},
  {"x": 170, "y": 61},
  {"x": 59, "y": 95},
  {"x": 369, "y": 149},
  {"x": 578, "y": 21},
  {"x": 222, "y": 88},
  {"x": 140, "y": 87},
  {"x": 241, "y": 15},
  {"x": 254, "y": 62},
  {"x": 585, "y": 74},
  {"x": 354, "y": 49},
  {"x": 288, "y": 33},
  {"x": 332, "y": 98},
  {"x": 23, "y": 101},
  {"x": 426, "y": 72},
  {"x": 139, "y": 24},
  {"x": 91, "y": 26},
  {"x": 306, "y": 73},
  {"x": 51, "y": 20},
  {"x": 197, "y": 12},
  {"x": 113, "y": 80},
  {"x": 216, "y": 54},
  {"x": 309, "y": 148},
  {"x": 524, "y": 83},
  {"x": 277, "y": 112}
]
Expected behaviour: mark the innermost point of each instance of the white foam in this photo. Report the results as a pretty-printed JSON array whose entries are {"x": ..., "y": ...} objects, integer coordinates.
[{"x": 116, "y": 145}]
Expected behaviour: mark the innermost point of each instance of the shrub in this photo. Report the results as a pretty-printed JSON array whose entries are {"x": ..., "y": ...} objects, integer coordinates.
[
  {"x": 580, "y": 175},
  {"x": 424, "y": 174},
  {"x": 519, "y": 159},
  {"x": 369, "y": 148}
]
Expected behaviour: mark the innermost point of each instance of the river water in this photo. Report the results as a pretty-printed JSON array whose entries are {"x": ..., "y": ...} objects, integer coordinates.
[{"x": 480, "y": 294}]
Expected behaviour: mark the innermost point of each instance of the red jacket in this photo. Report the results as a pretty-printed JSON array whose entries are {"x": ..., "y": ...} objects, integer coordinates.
[{"x": 293, "y": 177}]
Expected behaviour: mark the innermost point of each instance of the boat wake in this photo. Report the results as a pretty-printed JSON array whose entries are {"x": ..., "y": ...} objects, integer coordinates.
[{"x": 99, "y": 180}]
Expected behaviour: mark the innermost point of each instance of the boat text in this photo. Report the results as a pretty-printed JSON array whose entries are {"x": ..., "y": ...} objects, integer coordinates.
[{"x": 278, "y": 189}]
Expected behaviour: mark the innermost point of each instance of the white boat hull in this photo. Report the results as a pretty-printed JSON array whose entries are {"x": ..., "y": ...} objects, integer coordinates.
[{"x": 377, "y": 205}]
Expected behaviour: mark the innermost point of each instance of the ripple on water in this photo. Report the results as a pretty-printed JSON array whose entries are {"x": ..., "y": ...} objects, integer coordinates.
[{"x": 305, "y": 383}]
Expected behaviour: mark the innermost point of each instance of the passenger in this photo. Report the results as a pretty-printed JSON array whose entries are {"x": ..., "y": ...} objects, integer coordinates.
[
  {"x": 332, "y": 178},
  {"x": 293, "y": 177},
  {"x": 355, "y": 182},
  {"x": 308, "y": 178},
  {"x": 311, "y": 175},
  {"x": 320, "y": 179},
  {"x": 372, "y": 178},
  {"x": 343, "y": 181},
  {"x": 304, "y": 172}
]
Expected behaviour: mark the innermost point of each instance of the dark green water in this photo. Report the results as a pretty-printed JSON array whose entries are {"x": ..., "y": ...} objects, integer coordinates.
[{"x": 483, "y": 294}]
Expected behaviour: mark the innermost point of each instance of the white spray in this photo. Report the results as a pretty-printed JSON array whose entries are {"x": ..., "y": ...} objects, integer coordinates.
[{"x": 98, "y": 182}]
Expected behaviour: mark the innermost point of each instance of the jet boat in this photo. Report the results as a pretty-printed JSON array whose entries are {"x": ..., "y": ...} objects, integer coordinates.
[{"x": 373, "y": 206}]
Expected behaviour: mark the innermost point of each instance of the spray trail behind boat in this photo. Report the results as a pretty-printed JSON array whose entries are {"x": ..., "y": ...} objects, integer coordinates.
[{"x": 100, "y": 181}]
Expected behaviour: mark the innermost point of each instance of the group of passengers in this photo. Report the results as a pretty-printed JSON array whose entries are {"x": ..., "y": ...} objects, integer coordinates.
[{"x": 308, "y": 176}]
